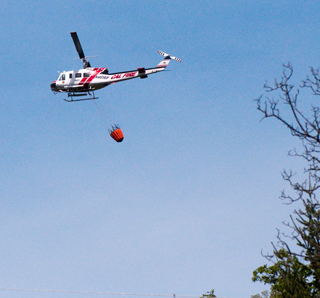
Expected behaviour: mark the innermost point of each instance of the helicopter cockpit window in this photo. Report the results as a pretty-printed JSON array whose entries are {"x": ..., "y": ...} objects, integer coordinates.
[
  {"x": 86, "y": 75},
  {"x": 63, "y": 77},
  {"x": 78, "y": 75},
  {"x": 70, "y": 75}
]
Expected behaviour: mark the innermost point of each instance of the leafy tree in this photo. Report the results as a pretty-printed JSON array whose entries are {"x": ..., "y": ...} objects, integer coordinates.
[
  {"x": 288, "y": 277},
  {"x": 292, "y": 269},
  {"x": 264, "y": 294},
  {"x": 209, "y": 294}
]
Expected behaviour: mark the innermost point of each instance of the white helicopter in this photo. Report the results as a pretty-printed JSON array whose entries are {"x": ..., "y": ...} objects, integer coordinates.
[{"x": 84, "y": 82}]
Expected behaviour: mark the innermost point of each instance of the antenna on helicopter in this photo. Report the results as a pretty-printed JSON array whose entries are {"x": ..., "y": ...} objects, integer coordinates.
[{"x": 78, "y": 46}]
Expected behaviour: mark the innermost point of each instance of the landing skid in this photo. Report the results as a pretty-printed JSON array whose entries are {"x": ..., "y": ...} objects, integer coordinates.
[{"x": 73, "y": 94}]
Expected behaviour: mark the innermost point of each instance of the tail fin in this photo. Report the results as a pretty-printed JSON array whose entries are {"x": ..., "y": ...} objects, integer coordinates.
[{"x": 166, "y": 59}]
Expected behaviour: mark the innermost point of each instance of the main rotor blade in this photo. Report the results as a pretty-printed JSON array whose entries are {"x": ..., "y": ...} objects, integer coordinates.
[{"x": 77, "y": 44}]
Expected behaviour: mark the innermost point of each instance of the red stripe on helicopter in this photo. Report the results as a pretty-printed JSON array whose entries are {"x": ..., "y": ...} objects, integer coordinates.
[
  {"x": 82, "y": 81},
  {"x": 96, "y": 72},
  {"x": 86, "y": 81}
]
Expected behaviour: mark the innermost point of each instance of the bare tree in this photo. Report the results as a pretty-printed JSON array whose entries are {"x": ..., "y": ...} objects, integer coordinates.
[{"x": 305, "y": 221}]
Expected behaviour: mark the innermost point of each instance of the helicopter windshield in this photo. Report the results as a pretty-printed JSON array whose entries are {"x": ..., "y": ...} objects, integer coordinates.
[{"x": 62, "y": 77}]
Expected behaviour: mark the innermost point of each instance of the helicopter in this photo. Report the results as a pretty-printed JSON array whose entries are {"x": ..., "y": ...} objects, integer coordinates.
[{"x": 81, "y": 84}]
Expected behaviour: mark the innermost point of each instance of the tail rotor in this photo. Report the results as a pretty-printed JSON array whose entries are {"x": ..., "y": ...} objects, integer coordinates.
[{"x": 169, "y": 56}]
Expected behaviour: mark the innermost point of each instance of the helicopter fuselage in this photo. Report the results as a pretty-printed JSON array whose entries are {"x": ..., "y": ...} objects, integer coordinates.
[{"x": 90, "y": 79}]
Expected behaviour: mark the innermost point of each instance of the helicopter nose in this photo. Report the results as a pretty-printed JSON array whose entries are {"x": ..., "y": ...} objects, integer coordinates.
[{"x": 54, "y": 87}]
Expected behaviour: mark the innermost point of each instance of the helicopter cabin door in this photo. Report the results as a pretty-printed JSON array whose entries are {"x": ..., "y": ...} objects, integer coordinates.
[{"x": 70, "y": 78}]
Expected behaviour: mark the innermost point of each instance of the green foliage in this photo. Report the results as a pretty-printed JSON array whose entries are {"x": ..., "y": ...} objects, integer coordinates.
[
  {"x": 288, "y": 277},
  {"x": 264, "y": 294},
  {"x": 307, "y": 226},
  {"x": 209, "y": 294}
]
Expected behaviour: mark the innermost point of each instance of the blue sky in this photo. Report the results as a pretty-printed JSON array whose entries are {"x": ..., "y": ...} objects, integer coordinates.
[{"x": 188, "y": 200}]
